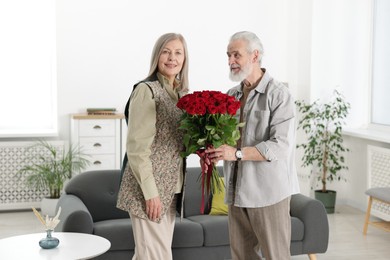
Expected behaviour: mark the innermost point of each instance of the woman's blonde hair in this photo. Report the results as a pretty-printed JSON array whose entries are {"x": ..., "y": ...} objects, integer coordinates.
[{"x": 157, "y": 49}]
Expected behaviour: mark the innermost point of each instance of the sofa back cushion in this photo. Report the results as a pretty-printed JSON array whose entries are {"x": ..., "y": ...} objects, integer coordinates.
[
  {"x": 193, "y": 194},
  {"x": 99, "y": 191}
]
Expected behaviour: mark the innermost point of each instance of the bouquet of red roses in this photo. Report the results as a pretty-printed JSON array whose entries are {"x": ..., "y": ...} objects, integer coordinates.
[{"x": 208, "y": 121}]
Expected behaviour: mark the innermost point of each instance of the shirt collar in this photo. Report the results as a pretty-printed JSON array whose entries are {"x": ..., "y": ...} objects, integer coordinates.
[
  {"x": 172, "y": 92},
  {"x": 165, "y": 82},
  {"x": 263, "y": 82},
  {"x": 261, "y": 86}
]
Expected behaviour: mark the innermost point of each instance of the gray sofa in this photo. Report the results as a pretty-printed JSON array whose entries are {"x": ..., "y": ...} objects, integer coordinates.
[{"x": 88, "y": 206}]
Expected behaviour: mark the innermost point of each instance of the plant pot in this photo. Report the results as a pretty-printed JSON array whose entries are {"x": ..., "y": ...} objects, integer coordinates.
[
  {"x": 48, "y": 207},
  {"x": 327, "y": 198}
]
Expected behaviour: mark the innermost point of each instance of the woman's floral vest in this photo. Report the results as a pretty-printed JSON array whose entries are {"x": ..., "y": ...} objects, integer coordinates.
[{"x": 165, "y": 157}]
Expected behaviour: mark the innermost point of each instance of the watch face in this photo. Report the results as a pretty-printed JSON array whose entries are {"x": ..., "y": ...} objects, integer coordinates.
[{"x": 239, "y": 154}]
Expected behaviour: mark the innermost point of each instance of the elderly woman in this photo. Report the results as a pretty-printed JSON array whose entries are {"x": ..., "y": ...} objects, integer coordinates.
[{"x": 153, "y": 176}]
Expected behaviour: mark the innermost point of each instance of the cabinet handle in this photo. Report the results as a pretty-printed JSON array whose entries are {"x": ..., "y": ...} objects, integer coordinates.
[
  {"x": 97, "y": 145},
  {"x": 97, "y": 162},
  {"x": 97, "y": 127}
]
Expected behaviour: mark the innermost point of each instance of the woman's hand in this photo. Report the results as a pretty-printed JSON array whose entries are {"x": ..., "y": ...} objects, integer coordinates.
[
  {"x": 222, "y": 153},
  {"x": 204, "y": 163},
  {"x": 153, "y": 208}
]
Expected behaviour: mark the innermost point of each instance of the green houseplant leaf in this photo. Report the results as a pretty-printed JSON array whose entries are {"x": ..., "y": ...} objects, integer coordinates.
[
  {"x": 324, "y": 148},
  {"x": 49, "y": 170}
]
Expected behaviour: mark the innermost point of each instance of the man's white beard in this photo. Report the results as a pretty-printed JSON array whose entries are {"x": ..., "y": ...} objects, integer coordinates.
[{"x": 245, "y": 71}]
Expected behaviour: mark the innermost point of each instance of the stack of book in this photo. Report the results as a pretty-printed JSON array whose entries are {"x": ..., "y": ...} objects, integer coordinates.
[{"x": 101, "y": 111}]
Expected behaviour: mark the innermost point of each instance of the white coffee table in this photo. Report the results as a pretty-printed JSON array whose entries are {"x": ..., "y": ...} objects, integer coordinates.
[{"x": 72, "y": 246}]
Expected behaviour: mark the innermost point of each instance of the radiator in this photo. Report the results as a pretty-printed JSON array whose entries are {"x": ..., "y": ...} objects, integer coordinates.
[
  {"x": 379, "y": 176},
  {"x": 14, "y": 194}
]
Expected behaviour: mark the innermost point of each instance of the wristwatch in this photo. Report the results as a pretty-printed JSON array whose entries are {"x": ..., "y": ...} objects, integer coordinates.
[{"x": 238, "y": 154}]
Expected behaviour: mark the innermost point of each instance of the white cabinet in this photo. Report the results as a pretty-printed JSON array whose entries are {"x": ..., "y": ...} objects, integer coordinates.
[{"x": 101, "y": 137}]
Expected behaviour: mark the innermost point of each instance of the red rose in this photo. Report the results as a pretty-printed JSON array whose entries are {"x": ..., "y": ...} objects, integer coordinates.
[
  {"x": 212, "y": 109},
  {"x": 200, "y": 108},
  {"x": 222, "y": 108},
  {"x": 233, "y": 107}
]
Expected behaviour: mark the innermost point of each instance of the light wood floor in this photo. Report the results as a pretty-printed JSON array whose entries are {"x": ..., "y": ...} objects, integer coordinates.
[{"x": 346, "y": 239}]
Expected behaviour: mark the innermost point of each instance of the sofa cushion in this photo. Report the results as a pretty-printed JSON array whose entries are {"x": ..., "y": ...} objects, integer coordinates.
[
  {"x": 216, "y": 232},
  {"x": 193, "y": 192},
  {"x": 187, "y": 234},
  {"x": 118, "y": 231},
  {"x": 104, "y": 185},
  {"x": 218, "y": 206},
  {"x": 297, "y": 229}
]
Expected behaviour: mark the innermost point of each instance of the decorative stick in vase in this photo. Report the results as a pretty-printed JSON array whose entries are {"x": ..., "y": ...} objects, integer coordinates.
[{"x": 48, "y": 242}]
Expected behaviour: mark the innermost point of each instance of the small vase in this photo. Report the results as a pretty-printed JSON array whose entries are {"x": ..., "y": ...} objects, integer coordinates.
[{"x": 49, "y": 242}]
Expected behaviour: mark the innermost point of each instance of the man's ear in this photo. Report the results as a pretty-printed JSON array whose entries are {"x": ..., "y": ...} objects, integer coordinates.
[{"x": 256, "y": 56}]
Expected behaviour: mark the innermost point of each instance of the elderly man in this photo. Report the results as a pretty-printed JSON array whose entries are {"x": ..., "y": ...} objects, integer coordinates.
[{"x": 260, "y": 174}]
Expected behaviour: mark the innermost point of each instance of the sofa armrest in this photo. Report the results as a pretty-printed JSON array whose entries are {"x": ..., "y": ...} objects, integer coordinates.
[
  {"x": 314, "y": 217},
  {"x": 74, "y": 216}
]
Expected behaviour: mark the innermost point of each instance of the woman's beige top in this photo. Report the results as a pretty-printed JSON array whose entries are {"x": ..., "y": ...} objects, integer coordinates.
[{"x": 141, "y": 132}]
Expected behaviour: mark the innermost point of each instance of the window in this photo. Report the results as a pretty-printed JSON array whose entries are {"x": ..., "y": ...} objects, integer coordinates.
[
  {"x": 28, "y": 105},
  {"x": 380, "y": 104}
]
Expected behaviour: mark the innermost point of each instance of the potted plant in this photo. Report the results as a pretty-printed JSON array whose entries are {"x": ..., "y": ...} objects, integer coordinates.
[
  {"x": 48, "y": 170},
  {"x": 324, "y": 149}
]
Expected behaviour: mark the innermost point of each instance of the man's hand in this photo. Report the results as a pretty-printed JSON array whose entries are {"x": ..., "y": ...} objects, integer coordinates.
[
  {"x": 224, "y": 152},
  {"x": 153, "y": 208}
]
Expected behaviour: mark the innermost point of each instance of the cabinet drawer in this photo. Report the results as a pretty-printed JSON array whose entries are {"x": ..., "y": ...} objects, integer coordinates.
[
  {"x": 97, "y": 127},
  {"x": 102, "y": 162},
  {"x": 98, "y": 145}
]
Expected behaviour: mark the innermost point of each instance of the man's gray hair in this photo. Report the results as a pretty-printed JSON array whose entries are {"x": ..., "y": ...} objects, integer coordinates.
[{"x": 253, "y": 41}]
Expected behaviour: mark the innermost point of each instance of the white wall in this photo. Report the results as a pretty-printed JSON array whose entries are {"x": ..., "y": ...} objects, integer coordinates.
[
  {"x": 341, "y": 53},
  {"x": 104, "y": 47},
  {"x": 341, "y": 57}
]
